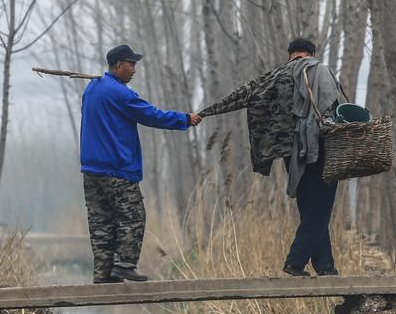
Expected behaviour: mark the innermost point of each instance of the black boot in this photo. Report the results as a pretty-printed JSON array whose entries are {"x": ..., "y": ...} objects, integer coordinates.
[
  {"x": 291, "y": 270},
  {"x": 327, "y": 272},
  {"x": 127, "y": 273}
]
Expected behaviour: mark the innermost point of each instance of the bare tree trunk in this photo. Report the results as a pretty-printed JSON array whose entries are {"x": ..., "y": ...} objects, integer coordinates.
[
  {"x": 381, "y": 206},
  {"x": 354, "y": 18},
  {"x": 335, "y": 35},
  {"x": 212, "y": 82},
  {"x": 99, "y": 32},
  {"x": 278, "y": 20},
  {"x": 369, "y": 204},
  {"x": 308, "y": 13},
  {"x": 154, "y": 158},
  {"x": 66, "y": 98},
  {"x": 366, "y": 220},
  {"x": 219, "y": 56},
  {"x": 390, "y": 50},
  {"x": 6, "y": 83},
  {"x": 75, "y": 53},
  {"x": 292, "y": 17},
  {"x": 388, "y": 27},
  {"x": 251, "y": 57},
  {"x": 177, "y": 163},
  {"x": 324, "y": 33},
  {"x": 194, "y": 158},
  {"x": 16, "y": 31},
  {"x": 273, "y": 39},
  {"x": 389, "y": 54},
  {"x": 196, "y": 34},
  {"x": 227, "y": 45}
]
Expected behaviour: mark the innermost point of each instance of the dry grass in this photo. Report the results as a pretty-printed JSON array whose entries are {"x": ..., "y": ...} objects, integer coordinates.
[
  {"x": 222, "y": 238},
  {"x": 18, "y": 265},
  {"x": 248, "y": 238},
  {"x": 16, "y": 268}
]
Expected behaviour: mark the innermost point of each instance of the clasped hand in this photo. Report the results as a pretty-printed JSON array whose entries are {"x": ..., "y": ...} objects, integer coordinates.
[{"x": 195, "y": 119}]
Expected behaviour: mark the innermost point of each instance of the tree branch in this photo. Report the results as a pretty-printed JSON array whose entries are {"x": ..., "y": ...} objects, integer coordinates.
[
  {"x": 257, "y": 5},
  {"x": 27, "y": 13},
  {"x": 47, "y": 29},
  {"x": 25, "y": 26},
  {"x": 2, "y": 41},
  {"x": 6, "y": 14},
  {"x": 1, "y": 12},
  {"x": 216, "y": 14}
]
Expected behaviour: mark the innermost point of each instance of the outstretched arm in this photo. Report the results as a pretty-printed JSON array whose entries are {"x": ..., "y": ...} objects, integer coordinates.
[
  {"x": 238, "y": 99},
  {"x": 145, "y": 113}
]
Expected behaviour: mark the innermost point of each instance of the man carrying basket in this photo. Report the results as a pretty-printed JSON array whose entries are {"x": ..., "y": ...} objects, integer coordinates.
[{"x": 283, "y": 124}]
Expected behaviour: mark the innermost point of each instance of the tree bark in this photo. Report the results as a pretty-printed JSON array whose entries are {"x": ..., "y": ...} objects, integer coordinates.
[
  {"x": 335, "y": 36},
  {"x": 6, "y": 83},
  {"x": 388, "y": 26},
  {"x": 99, "y": 32},
  {"x": 308, "y": 13},
  {"x": 354, "y": 18}
]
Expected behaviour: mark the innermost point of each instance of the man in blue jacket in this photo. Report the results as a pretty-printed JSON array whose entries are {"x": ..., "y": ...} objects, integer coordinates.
[{"x": 111, "y": 162}]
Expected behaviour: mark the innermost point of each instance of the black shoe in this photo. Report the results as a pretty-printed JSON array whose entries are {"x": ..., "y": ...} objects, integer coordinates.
[
  {"x": 291, "y": 270},
  {"x": 328, "y": 272},
  {"x": 108, "y": 280},
  {"x": 127, "y": 273}
]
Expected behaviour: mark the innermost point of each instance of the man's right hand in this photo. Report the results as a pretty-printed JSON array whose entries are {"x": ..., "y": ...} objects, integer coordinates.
[{"x": 195, "y": 119}]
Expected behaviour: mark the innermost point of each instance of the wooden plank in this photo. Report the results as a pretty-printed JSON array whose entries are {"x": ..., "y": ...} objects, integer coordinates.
[{"x": 194, "y": 290}]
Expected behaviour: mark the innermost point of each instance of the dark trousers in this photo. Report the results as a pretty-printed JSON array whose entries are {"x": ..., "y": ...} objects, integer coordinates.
[{"x": 315, "y": 200}]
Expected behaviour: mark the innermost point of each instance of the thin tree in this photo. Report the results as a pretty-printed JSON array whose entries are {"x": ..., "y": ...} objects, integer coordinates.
[{"x": 11, "y": 44}]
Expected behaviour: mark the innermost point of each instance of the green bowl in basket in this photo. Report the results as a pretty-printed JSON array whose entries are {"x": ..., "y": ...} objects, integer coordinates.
[{"x": 348, "y": 112}]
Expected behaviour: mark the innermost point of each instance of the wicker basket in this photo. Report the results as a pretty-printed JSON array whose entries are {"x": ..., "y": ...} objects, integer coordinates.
[{"x": 356, "y": 149}]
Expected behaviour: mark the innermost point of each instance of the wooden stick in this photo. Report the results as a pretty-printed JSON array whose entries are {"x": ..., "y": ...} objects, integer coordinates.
[{"x": 65, "y": 73}]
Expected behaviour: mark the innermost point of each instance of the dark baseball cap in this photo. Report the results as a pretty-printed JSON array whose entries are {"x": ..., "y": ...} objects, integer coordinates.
[{"x": 122, "y": 53}]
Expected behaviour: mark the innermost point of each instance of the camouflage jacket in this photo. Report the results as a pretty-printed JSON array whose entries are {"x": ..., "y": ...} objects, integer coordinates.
[{"x": 271, "y": 122}]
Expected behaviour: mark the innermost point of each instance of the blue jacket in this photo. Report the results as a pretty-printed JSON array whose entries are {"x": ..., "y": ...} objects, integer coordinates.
[{"x": 110, "y": 144}]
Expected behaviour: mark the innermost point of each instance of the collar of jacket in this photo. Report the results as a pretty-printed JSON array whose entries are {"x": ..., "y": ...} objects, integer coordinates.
[{"x": 114, "y": 77}]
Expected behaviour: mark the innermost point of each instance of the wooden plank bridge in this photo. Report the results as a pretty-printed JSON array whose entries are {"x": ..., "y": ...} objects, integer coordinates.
[{"x": 194, "y": 290}]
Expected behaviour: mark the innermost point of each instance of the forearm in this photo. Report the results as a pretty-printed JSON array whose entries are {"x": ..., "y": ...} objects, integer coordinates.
[
  {"x": 237, "y": 100},
  {"x": 143, "y": 112},
  {"x": 171, "y": 120}
]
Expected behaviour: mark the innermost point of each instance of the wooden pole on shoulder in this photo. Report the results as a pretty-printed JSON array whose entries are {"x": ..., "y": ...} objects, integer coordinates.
[{"x": 65, "y": 73}]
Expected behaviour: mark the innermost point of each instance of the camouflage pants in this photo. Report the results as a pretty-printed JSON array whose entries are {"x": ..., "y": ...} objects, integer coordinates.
[{"x": 116, "y": 218}]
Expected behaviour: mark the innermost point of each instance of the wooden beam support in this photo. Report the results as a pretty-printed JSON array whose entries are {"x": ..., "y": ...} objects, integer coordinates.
[{"x": 194, "y": 290}]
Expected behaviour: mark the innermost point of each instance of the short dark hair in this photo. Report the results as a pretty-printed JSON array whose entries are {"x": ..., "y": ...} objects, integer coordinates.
[{"x": 302, "y": 45}]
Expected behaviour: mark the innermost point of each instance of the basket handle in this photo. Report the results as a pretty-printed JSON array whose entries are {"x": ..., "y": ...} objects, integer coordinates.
[
  {"x": 321, "y": 121},
  {"x": 343, "y": 92}
]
